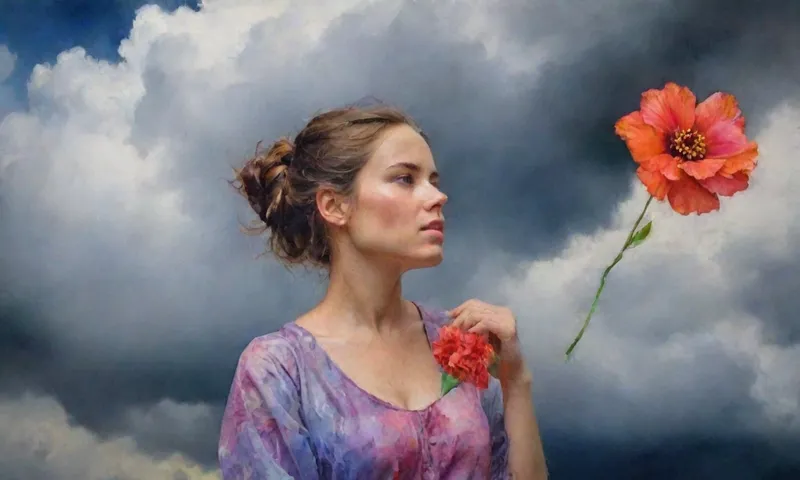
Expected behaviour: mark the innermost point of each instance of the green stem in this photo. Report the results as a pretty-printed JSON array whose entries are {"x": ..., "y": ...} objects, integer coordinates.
[{"x": 603, "y": 278}]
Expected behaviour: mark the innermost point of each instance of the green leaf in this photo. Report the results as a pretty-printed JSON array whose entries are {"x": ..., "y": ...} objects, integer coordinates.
[
  {"x": 493, "y": 369},
  {"x": 448, "y": 383},
  {"x": 641, "y": 235}
]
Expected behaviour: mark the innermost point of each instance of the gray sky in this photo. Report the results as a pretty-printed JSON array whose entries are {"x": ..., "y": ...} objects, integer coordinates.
[{"x": 127, "y": 291}]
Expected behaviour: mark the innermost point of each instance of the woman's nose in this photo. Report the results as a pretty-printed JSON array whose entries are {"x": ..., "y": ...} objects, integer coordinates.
[{"x": 438, "y": 198}]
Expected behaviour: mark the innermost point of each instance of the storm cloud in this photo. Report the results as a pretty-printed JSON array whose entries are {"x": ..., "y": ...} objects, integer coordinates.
[{"x": 127, "y": 290}]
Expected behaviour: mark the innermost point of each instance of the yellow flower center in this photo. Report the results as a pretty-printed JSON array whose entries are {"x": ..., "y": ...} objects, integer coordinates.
[{"x": 688, "y": 144}]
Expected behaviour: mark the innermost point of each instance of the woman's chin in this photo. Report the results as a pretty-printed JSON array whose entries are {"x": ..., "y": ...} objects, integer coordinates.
[{"x": 430, "y": 256}]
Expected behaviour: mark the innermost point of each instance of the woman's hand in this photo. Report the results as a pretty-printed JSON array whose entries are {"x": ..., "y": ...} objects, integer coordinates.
[
  {"x": 500, "y": 325},
  {"x": 525, "y": 453}
]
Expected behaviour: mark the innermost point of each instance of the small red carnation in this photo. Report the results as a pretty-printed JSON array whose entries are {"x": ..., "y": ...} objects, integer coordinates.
[{"x": 464, "y": 356}]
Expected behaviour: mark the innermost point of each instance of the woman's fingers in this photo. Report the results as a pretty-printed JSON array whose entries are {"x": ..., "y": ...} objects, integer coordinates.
[{"x": 466, "y": 319}]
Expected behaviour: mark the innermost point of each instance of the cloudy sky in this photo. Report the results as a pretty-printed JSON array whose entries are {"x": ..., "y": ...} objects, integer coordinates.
[{"x": 127, "y": 291}]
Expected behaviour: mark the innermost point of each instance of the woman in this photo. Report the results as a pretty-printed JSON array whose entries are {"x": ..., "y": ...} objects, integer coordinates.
[{"x": 350, "y": 390}]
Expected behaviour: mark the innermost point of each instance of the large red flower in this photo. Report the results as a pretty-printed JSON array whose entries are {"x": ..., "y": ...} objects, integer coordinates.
[
  {"x": 464, "y": 355},
  {"x": 686, "y": 152}
]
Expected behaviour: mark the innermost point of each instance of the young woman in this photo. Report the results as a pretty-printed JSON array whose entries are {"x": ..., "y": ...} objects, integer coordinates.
[{"x": 350, "y": 390}]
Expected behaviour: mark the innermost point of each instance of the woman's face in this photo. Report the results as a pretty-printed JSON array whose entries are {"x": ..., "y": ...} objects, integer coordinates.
[{"x": 397, "y": 212}]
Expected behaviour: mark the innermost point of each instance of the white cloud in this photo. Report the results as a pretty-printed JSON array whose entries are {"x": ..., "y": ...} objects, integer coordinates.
[
  {"x": 39, "y": 443},
  {"x": 670, "y": 332}
]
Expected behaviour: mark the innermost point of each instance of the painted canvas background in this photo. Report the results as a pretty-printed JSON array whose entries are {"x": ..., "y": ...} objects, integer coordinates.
[{"x": 127, "y": 291}]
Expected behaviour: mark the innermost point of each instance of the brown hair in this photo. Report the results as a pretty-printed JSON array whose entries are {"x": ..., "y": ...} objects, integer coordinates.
[{"x": 281, "y": 183}]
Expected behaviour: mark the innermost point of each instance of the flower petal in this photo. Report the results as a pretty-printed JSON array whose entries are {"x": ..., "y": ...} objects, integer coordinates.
[
  {"x": 743, "y": 162},
  {"x": 719, "y": 107},
  {"x": 726, "y": 186},
  {"x": 669, "y": 109},
  {"x": 701, "y": 169},
  {"x": 724, "y": 139},
  {"x": 657, "y": 184},
  {"x": 687, "y": 196},
  {"x": 643, "y": 141},
  {"x": 666, "y": 164}
]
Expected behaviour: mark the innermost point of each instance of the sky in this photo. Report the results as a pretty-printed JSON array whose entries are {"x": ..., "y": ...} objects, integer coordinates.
[{"x": 127, "y": 290}]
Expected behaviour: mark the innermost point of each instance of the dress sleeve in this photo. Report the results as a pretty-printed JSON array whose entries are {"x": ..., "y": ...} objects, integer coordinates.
[
  {"x": 492, "y": 402},
  {"x": 262, "y": 434}
]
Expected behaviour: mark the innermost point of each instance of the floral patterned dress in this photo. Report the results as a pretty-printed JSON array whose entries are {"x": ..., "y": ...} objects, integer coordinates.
[{"x": 292, "y": 413}]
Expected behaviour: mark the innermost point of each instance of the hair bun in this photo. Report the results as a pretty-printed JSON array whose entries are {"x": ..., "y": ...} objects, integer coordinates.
[{"x": 262, "y": 180}]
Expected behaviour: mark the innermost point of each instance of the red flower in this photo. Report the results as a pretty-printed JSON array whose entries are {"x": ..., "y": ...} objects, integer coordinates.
[
  {"x": 463, "y": 355},
  {"x": 689, "y": 153}
]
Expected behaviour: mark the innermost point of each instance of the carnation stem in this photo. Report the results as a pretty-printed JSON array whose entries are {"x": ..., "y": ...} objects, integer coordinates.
[{"x": 605, "y": 274}]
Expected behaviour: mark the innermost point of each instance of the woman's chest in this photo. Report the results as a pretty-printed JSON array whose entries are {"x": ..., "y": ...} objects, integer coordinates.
[
  {"x": 404, "y": 375},
  {"x": 356, "y": 437}
]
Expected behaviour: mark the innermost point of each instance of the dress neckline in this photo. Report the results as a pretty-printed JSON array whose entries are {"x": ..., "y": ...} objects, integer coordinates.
[{"x": 431, "y": 332}]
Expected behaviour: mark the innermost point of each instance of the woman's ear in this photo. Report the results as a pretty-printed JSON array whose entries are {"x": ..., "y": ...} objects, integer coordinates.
[{"x": 333, "y": 207}]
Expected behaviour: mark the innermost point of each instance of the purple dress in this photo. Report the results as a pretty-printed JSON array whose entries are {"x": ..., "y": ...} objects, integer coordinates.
[{"x": 292, "y": 413}]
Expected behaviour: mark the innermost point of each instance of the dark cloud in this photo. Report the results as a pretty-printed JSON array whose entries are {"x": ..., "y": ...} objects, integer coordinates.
[
  {"x": 684, "y": 457},
  {"x": 168, "y": 427},
  {"x": 111, "y": 313},
  {"x": 576, "y": 168},
  {"x": 8, "y": 61},
  {"x": 768, "y": 289}
]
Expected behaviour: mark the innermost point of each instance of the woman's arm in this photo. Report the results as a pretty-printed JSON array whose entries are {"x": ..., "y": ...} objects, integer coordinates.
[
  {"x": 262, "y": 435},
  {"x": 515, "y": 431},
  {"x": 525, "y": 451}
]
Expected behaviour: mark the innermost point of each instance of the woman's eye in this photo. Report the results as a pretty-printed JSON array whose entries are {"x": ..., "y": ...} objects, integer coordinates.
[{"x": 406, "y": 179}]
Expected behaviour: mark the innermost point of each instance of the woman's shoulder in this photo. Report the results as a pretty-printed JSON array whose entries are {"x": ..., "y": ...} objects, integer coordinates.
[
  {"x": 432, "y": 313},
  {"x": 278, "y": 352},
  {"x": 433, "y": 318}
]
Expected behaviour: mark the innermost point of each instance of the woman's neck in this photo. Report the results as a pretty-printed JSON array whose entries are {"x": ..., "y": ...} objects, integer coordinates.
[{"x": 364, "y": 294}]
